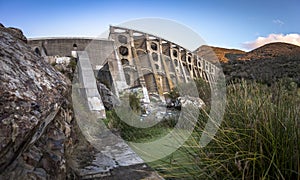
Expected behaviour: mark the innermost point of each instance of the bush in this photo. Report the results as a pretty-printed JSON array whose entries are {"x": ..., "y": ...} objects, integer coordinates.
[{"x": 72, "y": 64}]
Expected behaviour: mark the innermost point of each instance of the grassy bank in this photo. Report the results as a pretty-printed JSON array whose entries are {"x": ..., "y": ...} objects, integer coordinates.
[
  {"x": 258, "y": 139},
  {"x": 134, "y": 134}
]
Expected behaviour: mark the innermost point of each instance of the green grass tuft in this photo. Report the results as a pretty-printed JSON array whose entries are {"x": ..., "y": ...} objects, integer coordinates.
[{"x": 258, "y": 138}]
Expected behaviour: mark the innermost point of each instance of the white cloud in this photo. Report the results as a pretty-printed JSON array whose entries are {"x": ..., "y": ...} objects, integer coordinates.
[
  {"x": 287, "y": 38},
  {"x": 278, "y": 21}
]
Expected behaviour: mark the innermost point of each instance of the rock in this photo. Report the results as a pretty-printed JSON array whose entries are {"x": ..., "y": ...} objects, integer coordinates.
[
  {"x": 15, "y": 32},
  {"x": 194, "y": 101},
  {"x": 108, "y": 98},
  {"x": 32, "y": 95}
]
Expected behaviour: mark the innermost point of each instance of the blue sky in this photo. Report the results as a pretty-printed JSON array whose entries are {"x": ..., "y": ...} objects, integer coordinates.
[{"x": 242, "y": 24}]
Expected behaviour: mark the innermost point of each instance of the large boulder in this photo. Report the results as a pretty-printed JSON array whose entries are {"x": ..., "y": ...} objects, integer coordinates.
[
  {"x": 35, "y": 115},
  {"x": 109, "y": 100}
]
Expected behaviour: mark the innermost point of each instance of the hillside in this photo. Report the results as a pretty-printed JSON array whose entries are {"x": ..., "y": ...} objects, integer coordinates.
[
  {"x": 273, "y": 51},
  {"x": 222, "y": 54},
  {"x": 266, "y": 64}
]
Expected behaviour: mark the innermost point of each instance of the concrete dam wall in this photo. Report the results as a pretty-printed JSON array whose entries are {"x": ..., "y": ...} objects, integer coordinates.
[{"x": 134, "y": 59}]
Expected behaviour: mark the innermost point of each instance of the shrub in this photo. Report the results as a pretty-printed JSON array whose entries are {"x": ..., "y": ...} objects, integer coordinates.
[{"x": 72, "y": 64}]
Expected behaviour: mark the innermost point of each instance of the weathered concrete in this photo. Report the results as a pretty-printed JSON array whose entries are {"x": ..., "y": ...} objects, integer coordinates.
[
  {"x": 157, "y": 63},
  {"x": 104, "y": 52},
  {"x": 88, "y": 84},
  {"x": 134, "y": 58},
  {"x": 113, "y": 158},
  {"x": 100, "y": 52},
  {"x": 61, "y": 46}
]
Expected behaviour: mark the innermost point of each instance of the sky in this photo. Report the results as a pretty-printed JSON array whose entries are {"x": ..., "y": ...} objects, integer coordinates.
[{"x": 241, "y": 24}]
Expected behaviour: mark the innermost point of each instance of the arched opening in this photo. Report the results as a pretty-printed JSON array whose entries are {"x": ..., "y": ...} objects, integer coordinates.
[
  {"x": 123, "y": 50},
  {"x": 124, "y": 62},
  {"x": 155, "y": 57},
  {"x": 122, "y": 39},
  {"x": 37, "y": 51},
  {"x": 176, "y": 62},
  {"x": 127, "y": 78},
  {"x": 189, "y": 59},
  {"x": 157, "y": 66},
  {"x": 175, "y": 53},
  {"x": 199, "y": 64},
  {"x": 74, "y": 47},
  {"x": 154, "y": 46}
]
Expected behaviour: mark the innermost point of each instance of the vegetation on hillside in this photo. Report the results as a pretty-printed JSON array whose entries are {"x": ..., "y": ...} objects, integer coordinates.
[
  {"x": 266, "y": 64},
  {"x": 216, "y": 54}
]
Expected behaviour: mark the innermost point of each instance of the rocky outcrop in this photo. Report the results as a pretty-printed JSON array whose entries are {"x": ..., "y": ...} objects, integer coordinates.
[
  {"x": 35, "y": 115},
  {"x": 109, "y": 100},
  {"x": 15, "y": 32}
]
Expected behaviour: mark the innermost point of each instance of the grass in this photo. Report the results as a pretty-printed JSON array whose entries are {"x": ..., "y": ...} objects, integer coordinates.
[
  {"x": 258, "y": 138},
  {"x": 134, "y": 134}
]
